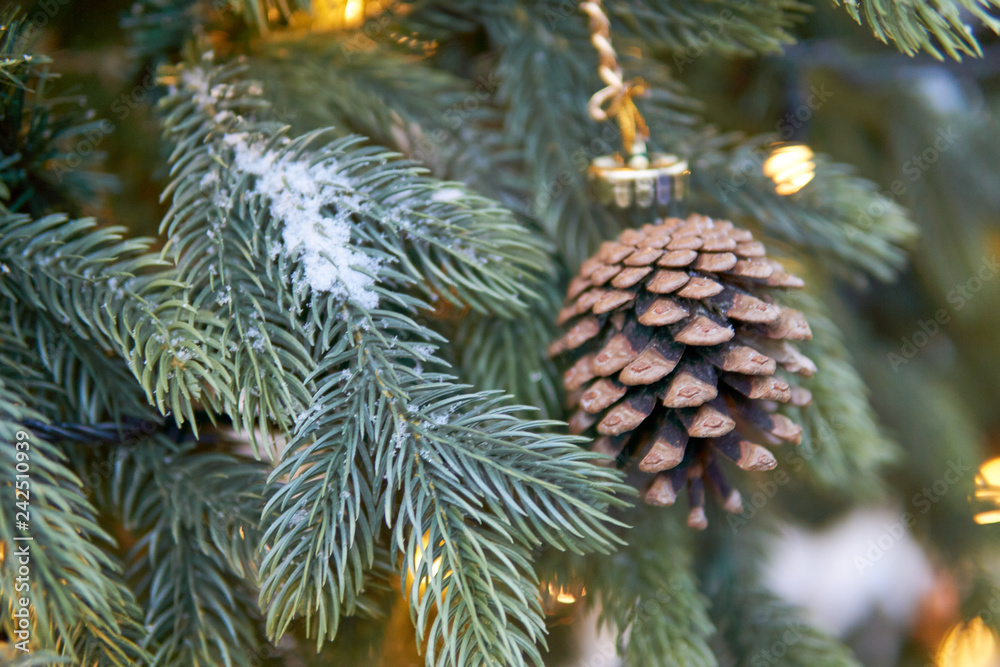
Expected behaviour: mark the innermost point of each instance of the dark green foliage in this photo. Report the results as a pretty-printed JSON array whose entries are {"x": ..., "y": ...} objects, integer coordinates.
[
  {"x": 842, "y": 444},
  {"x": 388, "y": 472},
  {"x": 843, "y": 221},
  {"x": 46, "y": 143},
  {"x": 77, "y": 595},
  {"x": 196, "y": 517},
  {"x": 722, "y": 25},
  {"x": 648, "y": 589}
]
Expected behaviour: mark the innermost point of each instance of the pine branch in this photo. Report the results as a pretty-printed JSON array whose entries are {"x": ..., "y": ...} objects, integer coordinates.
[
  {"x": 197, "y": 517},
  {"x": 357, "y": 230},
  {"x": 79, "y": 605},
  {"x": 83, "y": 384},
  {"x": 926, "y": 25},
  {"x": 440, "y": 233},
  {"x": 72, "y": 274},
  {"x": 727, "y": 26},
  {"x": 839, "y": 219},
  {"x": 323, "y": 524},
  {"x": 40, "y": 135},
  {"x": 235, "y": 242},
  {"x": 380, "y": 426},
  {"x": 553, "y": 128},
  {"x": 67, "y": 269},
  {"x": 107, "y": 290},
  {"x": 96, "y": 644}
]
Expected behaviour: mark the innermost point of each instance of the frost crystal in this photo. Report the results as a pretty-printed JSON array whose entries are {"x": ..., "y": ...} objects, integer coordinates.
[
  {"x": 422, "y": 350},
  {"x": 297, "y": 517},
  {"x": 256, "y": 339}
]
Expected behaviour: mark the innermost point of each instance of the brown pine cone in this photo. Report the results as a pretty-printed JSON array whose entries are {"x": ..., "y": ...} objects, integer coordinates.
[{"x": 676, "y": 344}]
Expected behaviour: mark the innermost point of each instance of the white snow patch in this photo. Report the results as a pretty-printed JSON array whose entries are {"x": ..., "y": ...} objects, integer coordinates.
[
  {"x": 448, "y": 194},
  {"x": 210, "y": 178},
  {"x": 297, "y": 192},
  {"x": 196, "y": 79}
]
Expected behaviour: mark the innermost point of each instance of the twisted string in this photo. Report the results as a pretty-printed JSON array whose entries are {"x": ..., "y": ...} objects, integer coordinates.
[{"x": 615, "y": 99}]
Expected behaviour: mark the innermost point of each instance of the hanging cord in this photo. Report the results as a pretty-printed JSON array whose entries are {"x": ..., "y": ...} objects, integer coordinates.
[{"x": 615, "y": 99}]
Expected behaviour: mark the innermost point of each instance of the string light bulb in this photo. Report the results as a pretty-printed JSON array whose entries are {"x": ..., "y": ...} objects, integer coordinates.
[
  {"x": 558, "y": 598},
  {"x": 972, "y": 644},
  {"x": 338, "y": 14},
  {"x": 414, "y": 567},
  {"x": 790, "y": 166},
  {"x": 988, "y": 492}
]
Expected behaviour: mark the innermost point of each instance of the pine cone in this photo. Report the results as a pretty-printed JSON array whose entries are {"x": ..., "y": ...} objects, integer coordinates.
[{"x": 676, "y": 344}]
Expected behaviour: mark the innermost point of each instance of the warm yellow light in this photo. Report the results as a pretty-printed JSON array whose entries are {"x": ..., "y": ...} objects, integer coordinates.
[
  {"x": 337, "y": 14},
  {"x": 990, "y": 516},
  {"x": 560, "y": 594},
  {"x": 354, "y": 13},
  {"x": 990, "y": 472},
  {"x": 790, "y": 166},
  {"x": 418, "y": 557},
  {"x": 972, "y": 644},
  {"x": 988, "y": 492}
]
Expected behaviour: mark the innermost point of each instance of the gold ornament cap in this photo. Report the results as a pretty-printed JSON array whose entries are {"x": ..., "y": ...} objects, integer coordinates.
[{"x": 656, "y": 180}]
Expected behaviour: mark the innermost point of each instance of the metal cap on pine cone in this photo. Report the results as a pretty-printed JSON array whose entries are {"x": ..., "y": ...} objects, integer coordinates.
[{"x": 680, "y": 355}]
